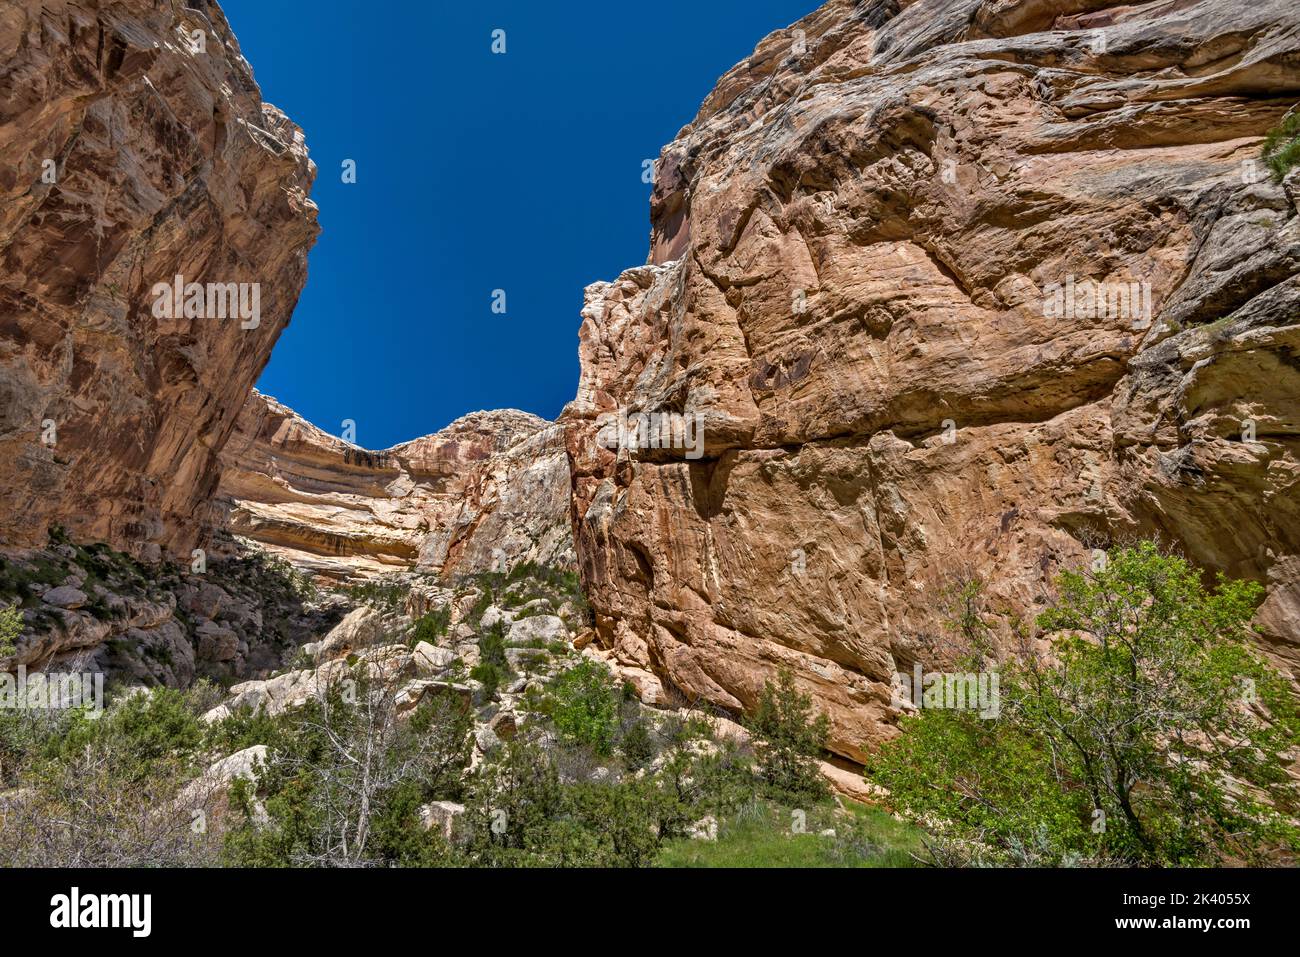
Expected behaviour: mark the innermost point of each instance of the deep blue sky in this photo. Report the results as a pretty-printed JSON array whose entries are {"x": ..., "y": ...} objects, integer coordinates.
[{"x": 475, "y": 172}]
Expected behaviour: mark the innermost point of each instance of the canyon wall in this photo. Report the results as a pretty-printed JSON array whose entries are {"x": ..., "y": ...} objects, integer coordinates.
[
  {"x": 490, "y": 490},
  {"x": 134, "y": 148},
  {"x": 861, "y": 253}
]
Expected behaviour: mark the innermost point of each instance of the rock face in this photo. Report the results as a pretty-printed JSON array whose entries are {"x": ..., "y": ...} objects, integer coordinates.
[
  {"x": 93, "y": 609},
  {"x": 492, "y": 487},
  {"x": 134, "y": 149},
  {"x": 861, "y": 252}
]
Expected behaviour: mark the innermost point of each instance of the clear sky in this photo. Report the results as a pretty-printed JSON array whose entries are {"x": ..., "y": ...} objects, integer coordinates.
[{"x": 475, "y": 172}]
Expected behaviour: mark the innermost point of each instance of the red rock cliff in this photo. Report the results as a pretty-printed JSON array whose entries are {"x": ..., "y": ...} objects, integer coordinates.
[
  {"x": 134, "y": 148},
  {"x": 860, "y": 254}
]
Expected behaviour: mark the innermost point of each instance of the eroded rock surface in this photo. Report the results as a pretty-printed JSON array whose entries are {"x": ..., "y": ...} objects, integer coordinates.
[
  {"x": 853, "y": 249},
  {"x": 491, "y": 488},
  {"x": 89, "y": 608},
  {"x": 134, "y": 148}
]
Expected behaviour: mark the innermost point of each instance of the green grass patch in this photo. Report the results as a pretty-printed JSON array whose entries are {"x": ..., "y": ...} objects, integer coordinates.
[
  {"x": 1281, "y": 151},
  {"x": 764, "y": 835}
]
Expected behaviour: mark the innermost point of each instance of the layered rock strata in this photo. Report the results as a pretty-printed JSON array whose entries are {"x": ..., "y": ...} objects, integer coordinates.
[{"x": 487, "y": 492}]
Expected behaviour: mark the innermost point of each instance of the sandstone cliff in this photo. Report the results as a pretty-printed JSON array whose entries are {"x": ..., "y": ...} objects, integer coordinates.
[
  {"x": 491, "y": 488},
  {"x": 134, "y": 148},
  {"x": 860, "y": 251}
]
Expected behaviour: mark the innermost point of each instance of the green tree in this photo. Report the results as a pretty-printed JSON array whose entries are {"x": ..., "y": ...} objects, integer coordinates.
[
  {"x": 583, "y": 703},
  {"x": 637, "y": 745},
  {"x": 1153, "y": 733},
  {"x": 788, "y": 740},
  {"x": 11, "y": 626},
  {"x": 346, "y": 778}
]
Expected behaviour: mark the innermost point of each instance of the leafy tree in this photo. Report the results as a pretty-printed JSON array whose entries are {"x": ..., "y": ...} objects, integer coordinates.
[
  {"x": 1153, "y": 733},
  {"x": 788, "y": 740}
]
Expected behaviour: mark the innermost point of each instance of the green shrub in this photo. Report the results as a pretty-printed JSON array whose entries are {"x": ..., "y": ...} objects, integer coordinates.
[
  {"x": 138, "y": 731},
  {"x": 26, "y": 736},
  {"x": 583, "y": 704},
  {"x": 628, "y": 817},
  {"x": 521, "y": 814},
  {"x": 511, "y": 805},
  {"x": 788, "y": 741},
  {"x": 1124, "y": 744},
  {"x": 242, "y": 729},
  {"x": 11, "y": 626},
  {"x": 432, "y": 626},
  {"x": 1281, "y": 150},
  {"x": 493, "y": 668},
  {"x": 703, "y": 780},
  {"x": 637, "y": 746}
]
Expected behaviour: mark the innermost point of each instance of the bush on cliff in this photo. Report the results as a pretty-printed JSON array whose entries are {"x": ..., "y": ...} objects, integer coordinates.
[
  {"x": 1153, "y": 734},
  {"x": 11, "y": 626},
  {"x": 493, "y": 668},
  {"x": 1281, "y": 150}
]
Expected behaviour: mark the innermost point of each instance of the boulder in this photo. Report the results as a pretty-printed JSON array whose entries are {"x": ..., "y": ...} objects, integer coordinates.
[
  {"x": 494, "y": 616},
  {"x": 430, "y": 660},
  {"x": 486, "y": 739},
  {"x": 441, "y": 816},
  {"x": 705, "y": 829},
  {"x": 504, "y": 724},
  {"x": 538, "y": 628},
  {"x": 64, "y": 596},
  {"x": 414, "y": 692},
  {"x": 216, "y": 643},
  {"x": 361, "y": 627}
]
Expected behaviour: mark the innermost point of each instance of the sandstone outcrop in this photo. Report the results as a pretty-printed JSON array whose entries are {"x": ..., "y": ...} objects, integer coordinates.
[
  {"x": 491, "y": 489},
  {"x": 134, "y": 149},
  {"x": 861, "y": 254}
]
